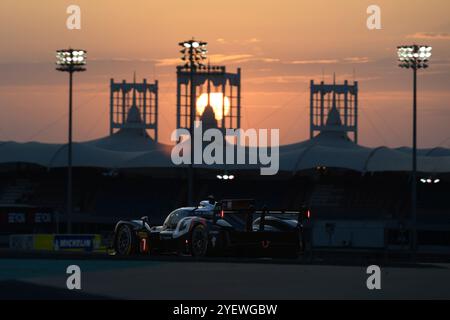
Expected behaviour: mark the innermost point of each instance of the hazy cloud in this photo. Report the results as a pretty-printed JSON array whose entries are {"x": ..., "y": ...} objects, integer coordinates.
[
  {"x": 120, "y": 59},
  {"x": 241, "y": 42},
  {"x": 333, "y": 61},
  {"x": 306, "y": 78},
  {"x": 253, "y": 40},
  {"x": 357, "y": 60},
  {"x": 220, "y": 58},
  {"x": 430, "y": 35},
  {"x": 267, "y": 60},
  {"x": 214, "y": 58},
  {"x": 315, "y": 61},
  {"x": 281, "y": 79}
]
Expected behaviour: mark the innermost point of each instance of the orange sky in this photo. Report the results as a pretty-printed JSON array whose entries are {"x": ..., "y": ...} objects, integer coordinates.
[{"x": 280, "y": 45}]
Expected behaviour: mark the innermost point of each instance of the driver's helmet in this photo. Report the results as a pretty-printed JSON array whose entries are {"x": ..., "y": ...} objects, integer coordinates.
[{"x": 211, "y": 200}]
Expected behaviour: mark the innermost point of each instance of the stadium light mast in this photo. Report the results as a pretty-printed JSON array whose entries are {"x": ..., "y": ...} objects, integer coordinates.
[
  {"x": 414, "y": 57},
  {"x": 70, "y": 60},
  {"x": 193, "y": 53}
]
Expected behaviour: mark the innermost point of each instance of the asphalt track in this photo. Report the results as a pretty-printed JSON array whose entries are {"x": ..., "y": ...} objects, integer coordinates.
[{"x": 103, "y": 277}]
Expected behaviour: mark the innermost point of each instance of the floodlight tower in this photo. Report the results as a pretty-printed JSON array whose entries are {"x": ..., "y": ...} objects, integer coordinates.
[
  {"x": 70, "y": 60},
  {"x": 414, "y": 57},
  {"x": 194, "y": 53},
  {"x": 220, "y": 95}
]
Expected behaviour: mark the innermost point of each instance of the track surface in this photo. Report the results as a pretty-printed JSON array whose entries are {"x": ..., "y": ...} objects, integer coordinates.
[{"x": 102, "y": 277}]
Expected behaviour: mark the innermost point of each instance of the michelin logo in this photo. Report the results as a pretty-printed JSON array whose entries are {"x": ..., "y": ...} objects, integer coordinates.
[{"x": 74, "y": 242}]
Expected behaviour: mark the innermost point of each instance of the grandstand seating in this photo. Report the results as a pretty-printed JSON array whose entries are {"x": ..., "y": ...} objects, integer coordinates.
[{"x": 17, "y": 191}]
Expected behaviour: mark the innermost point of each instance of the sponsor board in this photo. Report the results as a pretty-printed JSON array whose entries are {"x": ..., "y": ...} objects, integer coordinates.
[
  {"x": 57, "y": 242},
  {"x": 83, "y": 242},
  {"x": 21, "y": 242}
]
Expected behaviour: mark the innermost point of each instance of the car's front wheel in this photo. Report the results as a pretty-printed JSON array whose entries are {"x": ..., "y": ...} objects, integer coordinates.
[
  {"x": 125, "y": 241},
  {"x": 199, "y": 241}
]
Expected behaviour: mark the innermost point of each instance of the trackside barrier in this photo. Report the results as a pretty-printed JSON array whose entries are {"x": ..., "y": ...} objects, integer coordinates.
[
  {"x": 376, "y": 234},
  {"x": 57, "y": 242},
  {"x": 348, "y": 234}
]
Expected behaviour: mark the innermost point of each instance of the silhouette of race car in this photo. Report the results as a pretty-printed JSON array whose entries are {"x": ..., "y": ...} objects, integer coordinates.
[{"x": 228, "y": 227}]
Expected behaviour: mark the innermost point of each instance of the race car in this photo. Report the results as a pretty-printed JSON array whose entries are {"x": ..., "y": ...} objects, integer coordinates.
[{"x": 228, "y": 227}]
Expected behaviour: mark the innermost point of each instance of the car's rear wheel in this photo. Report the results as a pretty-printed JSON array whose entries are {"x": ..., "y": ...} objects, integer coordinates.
[
  {"x": 125, "y": 241},
  {"x": 199, "y": 241}
]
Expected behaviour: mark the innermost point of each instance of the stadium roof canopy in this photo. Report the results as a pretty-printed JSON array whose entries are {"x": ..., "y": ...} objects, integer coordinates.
[{"x": 131, "y": 148}]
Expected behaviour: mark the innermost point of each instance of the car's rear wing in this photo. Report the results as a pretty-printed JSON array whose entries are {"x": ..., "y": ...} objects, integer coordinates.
[
  {"x": 237, "y": 204},
  {"x": 247, "y": 208}
]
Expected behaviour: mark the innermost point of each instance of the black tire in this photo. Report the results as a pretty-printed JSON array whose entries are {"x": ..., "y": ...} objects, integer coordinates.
[
  {"x": 125, "y": 241},
  {"x": 199, "y": 241}
]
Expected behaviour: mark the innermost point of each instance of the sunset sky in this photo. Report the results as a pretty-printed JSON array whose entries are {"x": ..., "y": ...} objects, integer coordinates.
[{"x": 280, "y": 45}]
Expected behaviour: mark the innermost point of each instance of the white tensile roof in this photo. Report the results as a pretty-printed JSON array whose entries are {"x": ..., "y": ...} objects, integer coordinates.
[
  {"x": 131, "y": 148},
  {"x": 335, "y": 150}
]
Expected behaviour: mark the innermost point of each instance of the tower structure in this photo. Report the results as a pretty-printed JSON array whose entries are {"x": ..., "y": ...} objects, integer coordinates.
[
  {"x": 134, "y": 106},
  {"x": 201, "y": 88},
  {"x": 206, "y": 93},
  {"x": 334, "y": 107}
]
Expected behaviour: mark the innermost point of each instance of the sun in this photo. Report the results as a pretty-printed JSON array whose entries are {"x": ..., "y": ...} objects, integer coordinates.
[{"x": 217, "y": 100}]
